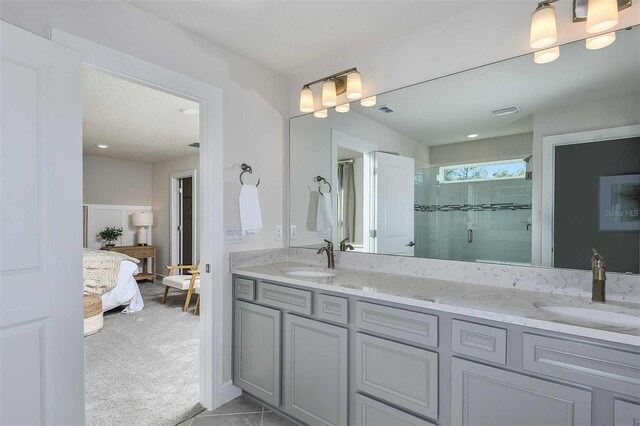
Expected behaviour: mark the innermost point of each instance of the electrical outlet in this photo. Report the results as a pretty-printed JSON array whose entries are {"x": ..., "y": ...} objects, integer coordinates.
[
  {"x": 293, "y": 234},
  {"x": 278, "y": 232}
]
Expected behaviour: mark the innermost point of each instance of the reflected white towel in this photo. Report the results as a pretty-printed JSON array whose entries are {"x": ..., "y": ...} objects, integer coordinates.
[
  {"x": 250, "y": 214},
  {"x": 324, "y": 215}
]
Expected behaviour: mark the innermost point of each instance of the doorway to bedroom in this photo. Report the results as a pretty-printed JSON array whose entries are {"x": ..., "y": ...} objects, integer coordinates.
[{"x": 140, "y": 197}]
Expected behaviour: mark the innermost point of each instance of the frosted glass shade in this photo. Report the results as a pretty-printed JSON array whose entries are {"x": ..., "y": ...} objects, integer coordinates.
[
  {"x": 547, "y": 55},
  {"x": 142, "y": 219},
  {"x": 354, "y": 85},
  {"x": 306, "y": 99},
  {"x": 602, "y": 15},
  {"x": 321, "y": 113},
  {"x": 544, "y": 31},
  {"x": 600, "y": 41},
  {"x": 343, "y": 107},
  {"x": 329, "y": 93},
  {"x": 368, "y": 102}
]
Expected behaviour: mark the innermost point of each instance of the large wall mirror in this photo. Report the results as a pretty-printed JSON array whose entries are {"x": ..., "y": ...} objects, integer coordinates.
[{"x": 512, "y": 163}]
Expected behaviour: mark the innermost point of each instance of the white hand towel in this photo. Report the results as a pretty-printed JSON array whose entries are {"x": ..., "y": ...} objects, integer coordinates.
[
  {"x": 250, "y": 214},
  {"x": 324, "y": 215}
]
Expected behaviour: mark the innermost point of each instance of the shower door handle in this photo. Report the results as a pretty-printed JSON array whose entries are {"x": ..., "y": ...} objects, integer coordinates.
[
  {"x": 411, "y": 244},
  {"x": 470, "y": 236}
]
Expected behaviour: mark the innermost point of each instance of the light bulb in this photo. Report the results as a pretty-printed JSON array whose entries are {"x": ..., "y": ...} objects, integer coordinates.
[
  {"x": 547, "y": 55},
  {"x": 329, "y": 93},
  {"x": 321, "y": 113},
  {"x": 544, "y": 31},
  {"x": 601, "y": 15},
  {"x": 343, "y": 107},
  {"x": 306, "y": 99},
  {"x": 600, "y": 41},
  {"x": 354, "y": 85},
  {"x": 368, "y": 102}
]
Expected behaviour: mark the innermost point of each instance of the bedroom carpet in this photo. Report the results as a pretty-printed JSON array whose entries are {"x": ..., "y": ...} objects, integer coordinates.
[{"x": 142, "y": 368}]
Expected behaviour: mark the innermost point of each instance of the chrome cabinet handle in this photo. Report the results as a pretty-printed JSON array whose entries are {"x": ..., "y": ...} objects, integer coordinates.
[{"x": 470, "y": 236}]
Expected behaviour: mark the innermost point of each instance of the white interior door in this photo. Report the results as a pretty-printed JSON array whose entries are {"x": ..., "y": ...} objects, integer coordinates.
[
  {"x": 41, "y": 331},
  {"x": 393, "y": 202}
]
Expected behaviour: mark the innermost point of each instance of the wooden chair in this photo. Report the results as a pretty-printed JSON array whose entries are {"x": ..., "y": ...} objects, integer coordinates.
[
  {"x": 184, "y": 282},
  {"x": 196, "y": 290}
]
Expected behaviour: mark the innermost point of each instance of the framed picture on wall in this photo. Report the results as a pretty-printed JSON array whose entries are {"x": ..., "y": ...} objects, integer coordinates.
[{"x": 619, "y": 206}]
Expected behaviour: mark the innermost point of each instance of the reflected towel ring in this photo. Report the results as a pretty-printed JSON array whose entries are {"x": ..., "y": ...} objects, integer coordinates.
[
  {"x": 247, "y": 169},
  {"x": 319, "y": 180}
]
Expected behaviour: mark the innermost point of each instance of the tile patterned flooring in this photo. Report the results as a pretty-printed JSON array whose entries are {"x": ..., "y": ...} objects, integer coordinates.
[{"x": 242, "y": 411}]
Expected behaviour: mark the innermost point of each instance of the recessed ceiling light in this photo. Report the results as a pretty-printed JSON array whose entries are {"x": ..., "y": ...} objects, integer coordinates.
[
  {"x": 102, "y": 146},
  {"x": 472, "y": 135},
  {"x": 189, "y": 111}
]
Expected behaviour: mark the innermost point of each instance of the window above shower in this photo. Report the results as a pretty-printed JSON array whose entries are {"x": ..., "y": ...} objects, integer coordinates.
[{"x": 512, "y": 163}]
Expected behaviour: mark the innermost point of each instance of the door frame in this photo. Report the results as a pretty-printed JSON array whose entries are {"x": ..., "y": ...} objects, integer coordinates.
[
  {"x": 340, "y": 139},
  {"x": 545, "y": 234},
  {"x": 174, "y": 238},
  {"x": 213, "y": 391}
]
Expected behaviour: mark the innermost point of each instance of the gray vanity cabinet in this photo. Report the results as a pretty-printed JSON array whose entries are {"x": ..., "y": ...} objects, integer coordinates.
[
  {"x": 315, "y": 371},
  {"x": 483, "y": 395},
  {"x": 626, "y": 413},
  {"x": 257, "y": 351}
]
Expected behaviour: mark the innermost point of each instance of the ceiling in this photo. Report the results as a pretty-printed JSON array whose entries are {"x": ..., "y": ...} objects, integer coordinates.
[
  {"x": 284, "y": 35},
  {"x": 137, "y": 122},
  {"x": 446, "y": 110}
]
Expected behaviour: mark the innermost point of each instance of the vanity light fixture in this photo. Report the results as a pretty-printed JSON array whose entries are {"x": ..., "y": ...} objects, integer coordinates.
[
  {"x": 368, "y": 102},
  {"x": 547, "y": 55},
  {"x": 544, "y": 31},
  {"x": 343, "y": 107},
  {"x": 322, "y": 113},
  {"x": 102, "y": 146},
  {"x": 602, "y": 15},
  {"x": 600, "y": 41},
  {"x": 189, "y": 111},
  {"x": 347, "y": 81}
]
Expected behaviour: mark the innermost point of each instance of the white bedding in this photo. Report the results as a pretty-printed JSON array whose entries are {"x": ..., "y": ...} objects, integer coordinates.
[{"x": 126, "y": 291}]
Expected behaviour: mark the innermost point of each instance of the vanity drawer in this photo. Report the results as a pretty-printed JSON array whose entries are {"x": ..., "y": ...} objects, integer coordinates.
[
  {"x": 245, "y": 289},
  {"x": 287, "y": 298},
  {"x": 588, "y": 364},
  {"x": 403, "y": 375},
  {"x": 479, "y": 341},
  {"x": 332, "y": 308},
  {"x": 398, "y": 323},
  {"x": 370, "y": 412}
]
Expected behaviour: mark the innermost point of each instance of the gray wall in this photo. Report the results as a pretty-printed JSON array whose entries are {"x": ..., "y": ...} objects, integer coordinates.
[
  {"x": 115, "y": 181},
  {"x": 578, "y": 168},
  {"x": 477, "y": 151}
]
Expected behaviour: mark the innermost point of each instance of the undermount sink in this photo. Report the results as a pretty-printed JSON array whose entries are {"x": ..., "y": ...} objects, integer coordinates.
[
  {"x": 592, "y": 313},
  {"x": 310, "y": 272}
]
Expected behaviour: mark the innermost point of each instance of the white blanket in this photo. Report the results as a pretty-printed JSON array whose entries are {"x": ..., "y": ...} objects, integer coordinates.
[{"x": 126, "y": 291}]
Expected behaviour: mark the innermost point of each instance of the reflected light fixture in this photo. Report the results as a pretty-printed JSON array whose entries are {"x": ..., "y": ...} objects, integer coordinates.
[
  {"x": 347, "y": 81},
  {"x": 323, "y": 113},
  {"x": 600, "y": 41},
  {"x": 102, "y": 146},
  {"x": 472, "y": 135},
  {"x": 547, "y": 55},
  {"x": 368, "y": 102},
  {"x": 602, "y": 15},
  {"x": 544, "y": 31},
  {"x": 343, "y": 107}
]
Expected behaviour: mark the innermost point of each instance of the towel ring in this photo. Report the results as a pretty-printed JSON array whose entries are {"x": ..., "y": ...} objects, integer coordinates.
[
  {"x": 247, "y": 169},
  {"x": 320, "y": 179}
]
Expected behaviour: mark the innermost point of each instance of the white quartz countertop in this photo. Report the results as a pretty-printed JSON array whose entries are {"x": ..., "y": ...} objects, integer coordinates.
[{"x": 512, "y": 306}]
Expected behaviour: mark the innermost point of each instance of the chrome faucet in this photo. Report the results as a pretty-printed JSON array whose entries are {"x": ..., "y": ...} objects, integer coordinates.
[
  {"x": 344, "y": 246},
  {"x": 331, "y": 257},
  {"x": 598, "y": 266}
]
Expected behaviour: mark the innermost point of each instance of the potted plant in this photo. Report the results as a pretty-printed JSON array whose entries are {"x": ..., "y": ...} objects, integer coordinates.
[{"x": 110, "y": 234}]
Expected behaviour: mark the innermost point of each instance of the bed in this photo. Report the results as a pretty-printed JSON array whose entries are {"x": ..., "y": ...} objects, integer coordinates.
[{"x": 110, "y": 275}]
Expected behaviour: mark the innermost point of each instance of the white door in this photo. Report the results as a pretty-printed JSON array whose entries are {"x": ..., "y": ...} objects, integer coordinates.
[
  {"x": 41, "y": 332},
  {"x": 393, "y": 204}
]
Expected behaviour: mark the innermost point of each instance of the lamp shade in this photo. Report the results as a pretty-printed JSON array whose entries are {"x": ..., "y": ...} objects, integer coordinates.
[
  {"x": 547, "y": 55},
  {"x": 600, "y": 41},
  {"x": 544, "y": 31},
  {"x": 306, "y": 99},
  {"x": 142, "y": 219},
  {"x": 343, "y": 107},
  {"x": 354, "y": 85},
  {"x": 601, "y": 15},
  {"x": 368, "y": 102},
  {"x": 323, "y": 113},
  {"x": 329, "y": 93}
]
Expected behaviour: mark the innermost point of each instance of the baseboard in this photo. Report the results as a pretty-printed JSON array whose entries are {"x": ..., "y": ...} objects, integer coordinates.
[{"x": 230, "y": 392}]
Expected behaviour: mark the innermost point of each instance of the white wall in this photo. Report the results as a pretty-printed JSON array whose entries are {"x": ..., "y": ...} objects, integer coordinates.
[
  {"x": 478, "y": 151},
  {"x": 162, "y": 204},
  {"x": 486, "y": 33},
  {"x": 254, "y": 98},
  {"x": 115, "y": 181}
]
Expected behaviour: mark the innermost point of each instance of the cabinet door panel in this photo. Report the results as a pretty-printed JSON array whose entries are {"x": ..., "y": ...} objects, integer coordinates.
[
  {"x": 373, "y": 413},
  {"x": 626, "y": 413},
  {"x": 315, "y": 371},
  {"x": 257, "y": 351},
  {"x": 482, "y": 395}
]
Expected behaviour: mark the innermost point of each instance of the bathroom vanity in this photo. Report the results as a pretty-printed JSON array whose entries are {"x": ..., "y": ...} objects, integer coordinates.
[{"x": 338, "y": 347}]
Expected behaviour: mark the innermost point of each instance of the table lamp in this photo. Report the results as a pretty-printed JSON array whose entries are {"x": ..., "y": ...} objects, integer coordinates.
[{"x": 142, "y": 219}]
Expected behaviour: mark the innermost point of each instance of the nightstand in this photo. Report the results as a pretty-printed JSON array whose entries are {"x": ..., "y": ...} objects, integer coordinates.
[{"x": 142, "y": 253}]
